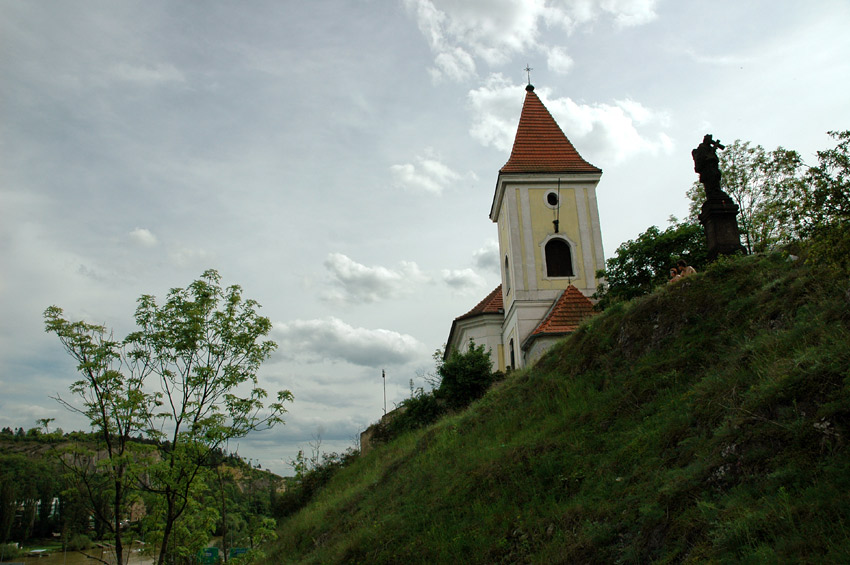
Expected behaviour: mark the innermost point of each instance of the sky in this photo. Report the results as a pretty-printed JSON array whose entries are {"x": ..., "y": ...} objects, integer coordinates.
[{"x": 337, "y": 159}]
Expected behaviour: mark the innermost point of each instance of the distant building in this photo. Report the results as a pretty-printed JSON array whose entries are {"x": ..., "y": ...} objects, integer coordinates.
[{"x": 550, "y": 246}]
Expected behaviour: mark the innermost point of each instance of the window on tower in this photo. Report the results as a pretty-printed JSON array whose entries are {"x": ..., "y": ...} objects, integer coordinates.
[
  {"x": 559, "y": 259},
  {"x": 507, "y": 276}
]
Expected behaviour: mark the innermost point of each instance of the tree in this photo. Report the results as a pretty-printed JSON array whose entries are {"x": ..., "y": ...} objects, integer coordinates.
[
  {"x": 201, "y": 350},
  {"x": 116, "y": 404},
  {"x": 205, "y": 346},
  {"x": 641, "y": 264},
  {"x": 766, "y": 186},
  {"x": 825, "y": 214},
  {"x": 466, "y": 376}
]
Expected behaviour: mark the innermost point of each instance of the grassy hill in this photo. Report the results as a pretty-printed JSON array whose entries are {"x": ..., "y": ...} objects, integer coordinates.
[{"x": 706, "y": 422}]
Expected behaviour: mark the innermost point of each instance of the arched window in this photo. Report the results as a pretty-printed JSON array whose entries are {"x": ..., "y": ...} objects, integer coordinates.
[
  {"x": 559, "y": 259},
  {"x": 507, "y": 276}
]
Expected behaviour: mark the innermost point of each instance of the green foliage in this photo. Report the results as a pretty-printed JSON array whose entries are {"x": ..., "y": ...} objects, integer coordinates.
[
  {"x": 10, "y": 551},
  {"x": 420, "y": 409},
  {"x": 310, "y": 476},
  {"x": 79, "y": 542},
  {"x": 25, "y": 486},
  {"x": 464, "y": 377},
  {"x": 642, "y": 264},
  {"x": 826, "y": 220},
  {"x": 827, "y": 199},
  {"x": 202, "y": 349},
  {"x": 703, "y": 423}
]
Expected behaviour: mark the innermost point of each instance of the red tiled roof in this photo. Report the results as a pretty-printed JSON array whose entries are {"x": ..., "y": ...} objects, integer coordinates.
[
  {"x": 540, "y": 146},
  {"x": 492, "y": 304},
  {"x": 567, "y": 313}
]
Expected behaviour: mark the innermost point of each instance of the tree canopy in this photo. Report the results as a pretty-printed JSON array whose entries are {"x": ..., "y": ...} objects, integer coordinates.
[{"x": 641, "y": 264}]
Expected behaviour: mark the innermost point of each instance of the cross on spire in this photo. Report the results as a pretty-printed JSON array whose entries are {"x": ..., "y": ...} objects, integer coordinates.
[{"x": 528, "y": 70}]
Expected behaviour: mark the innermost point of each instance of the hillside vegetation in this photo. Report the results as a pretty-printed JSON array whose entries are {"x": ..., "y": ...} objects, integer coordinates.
[{"x": 705, "y": 422}]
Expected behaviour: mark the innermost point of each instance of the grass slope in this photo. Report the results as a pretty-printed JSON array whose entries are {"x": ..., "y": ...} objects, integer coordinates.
[{"x": 706, "y": 422}]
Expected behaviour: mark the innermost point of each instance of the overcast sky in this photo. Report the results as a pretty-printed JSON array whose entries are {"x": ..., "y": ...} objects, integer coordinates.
[{"x": 337, "y": 159}]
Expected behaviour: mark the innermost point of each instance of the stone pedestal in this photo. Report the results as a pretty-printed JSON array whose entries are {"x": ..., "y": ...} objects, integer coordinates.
[{"x": 718, "y": 218}]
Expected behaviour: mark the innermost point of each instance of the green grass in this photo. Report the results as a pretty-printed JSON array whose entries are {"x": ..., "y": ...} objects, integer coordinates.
[{"x": 706, "y": 422}]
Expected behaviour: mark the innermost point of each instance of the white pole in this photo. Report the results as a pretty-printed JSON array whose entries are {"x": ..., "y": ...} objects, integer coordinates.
[{"x": 384, "y": 376}]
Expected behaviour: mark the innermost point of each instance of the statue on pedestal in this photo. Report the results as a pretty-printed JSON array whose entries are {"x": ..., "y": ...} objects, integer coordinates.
[
  {"x": 719, "y": 212},
  {"x": 707, "y": 165}
]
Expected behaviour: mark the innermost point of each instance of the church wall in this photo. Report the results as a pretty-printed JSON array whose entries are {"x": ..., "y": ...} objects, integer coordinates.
[
  {"x": 522, "y": 319},
  {"x": 484, "y": 330},
  {"x": 538, "y": 347}
]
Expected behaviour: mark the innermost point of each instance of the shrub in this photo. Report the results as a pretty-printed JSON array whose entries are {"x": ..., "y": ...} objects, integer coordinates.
[
  {"x": 78, "y": 542},
  {"x": 465, "y": 376}
]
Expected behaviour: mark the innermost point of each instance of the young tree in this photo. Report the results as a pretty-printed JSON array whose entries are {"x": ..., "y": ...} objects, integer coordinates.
[
  {"x": 201, "y": 350},
  {"x": 204, "y": 345},
  {"x": 767, "y": 186},
  {"x": 116, "y": 405}
]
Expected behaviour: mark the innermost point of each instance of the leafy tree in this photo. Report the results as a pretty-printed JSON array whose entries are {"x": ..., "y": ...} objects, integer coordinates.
[
  {"x": 641, "y": 264},
  {"x": 825, "y": 216},
  {"x": 45, "y": 423},
  {"x": 115, "y": 403},
  {"x": 466, "y": 376},
  {"x": 197, "y": 522},
  {"x": 24, "y": 482},
  {"x": 201, "y": 349},
  {"x": 766, "y": 186}
]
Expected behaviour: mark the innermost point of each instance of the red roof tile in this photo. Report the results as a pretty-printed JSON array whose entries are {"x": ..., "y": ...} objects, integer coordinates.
[
  {"x": 540, "y": 146},
  {"x": 567, "y": 313},
  {"x": 492, "y": 304}
]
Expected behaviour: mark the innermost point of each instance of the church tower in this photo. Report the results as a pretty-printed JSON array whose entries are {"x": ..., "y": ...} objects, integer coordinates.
[
  {"x": 548, "y": 226},
  {"x": 550, "y": 246}
]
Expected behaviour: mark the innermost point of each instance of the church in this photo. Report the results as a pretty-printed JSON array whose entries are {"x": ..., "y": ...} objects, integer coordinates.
[{"x": 550, "y": 246}]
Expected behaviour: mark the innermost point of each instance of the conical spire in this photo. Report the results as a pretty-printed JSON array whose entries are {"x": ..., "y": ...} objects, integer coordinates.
[{"x": 540, "y": 146}]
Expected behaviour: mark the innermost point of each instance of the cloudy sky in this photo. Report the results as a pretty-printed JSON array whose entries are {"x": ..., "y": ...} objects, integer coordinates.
[{"x": 337, "y": 159}]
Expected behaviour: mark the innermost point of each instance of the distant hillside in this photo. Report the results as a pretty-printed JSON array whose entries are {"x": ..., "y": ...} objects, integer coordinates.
[{"x": 706, "y": 422}]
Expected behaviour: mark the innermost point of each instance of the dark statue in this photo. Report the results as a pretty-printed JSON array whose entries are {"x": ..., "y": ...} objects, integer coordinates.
[
  {"x": 707, "y": 165},
  {"x": 719, "y": 212}
]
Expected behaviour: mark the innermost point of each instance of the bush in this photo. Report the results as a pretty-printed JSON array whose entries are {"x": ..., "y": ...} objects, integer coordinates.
[
  {"x": 78, "y": 542},
  {"x": 10, "y": 550},
  {"x": 421, "y": 409},
  {"x": 309, "y": 480},
  {"x": 465, "y": 376}
]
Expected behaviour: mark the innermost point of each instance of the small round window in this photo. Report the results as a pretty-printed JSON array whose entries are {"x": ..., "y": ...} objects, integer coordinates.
[{"x": 552, "y": 199}]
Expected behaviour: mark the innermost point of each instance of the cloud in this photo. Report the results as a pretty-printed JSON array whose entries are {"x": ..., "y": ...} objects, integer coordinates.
[
  {"x": 459, "y": 32},
  {"x": 186, "y": 257},
  {"x": 612, "y": 132},
  {"x": 558, "y": 60},
  {"x": 462, "y": 280},
  {"x": 147, "y": 75},
  {"x": 143, "y": 237},
  {"x": 455, "y": 63},
  {"x": 356, "y": 283},
  {"x": 495, "y": 107},
  {"x": 487, "y": 257},
  {"x": 428, "y": 175},
  {"x": 332, "y": 339},
  {"x": 630, "y": 13}
]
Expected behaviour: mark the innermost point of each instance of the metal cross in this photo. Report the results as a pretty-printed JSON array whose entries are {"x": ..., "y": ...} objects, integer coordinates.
[{"x": 528, "y": 70}]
